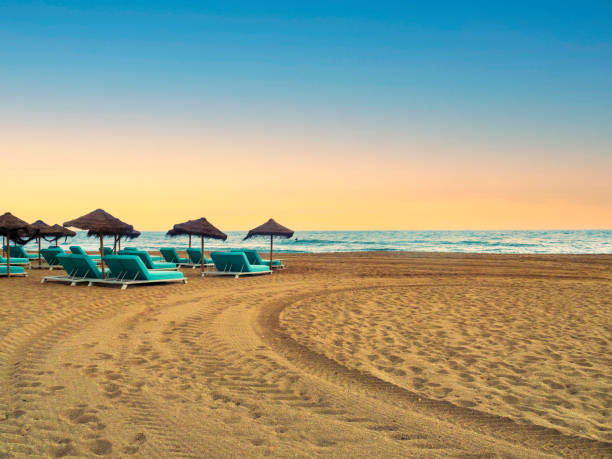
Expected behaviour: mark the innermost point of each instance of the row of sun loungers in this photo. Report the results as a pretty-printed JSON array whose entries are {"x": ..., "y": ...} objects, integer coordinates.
[
  {"x": 123, "y": 270},
  {"x": 132, "y": 266}
]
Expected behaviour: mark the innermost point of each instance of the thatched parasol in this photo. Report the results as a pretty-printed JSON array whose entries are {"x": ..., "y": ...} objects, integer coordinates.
[
  {"x": 270, "y": 228},
  {"x": 43, "y": 230},
  {"x": 200, "y": 227},
  {"x": 101, "y": 223},
  {"x": 57, "y": 233},
  {"x": 173, "y": 233},
  {"x": 18, "y": 230}
]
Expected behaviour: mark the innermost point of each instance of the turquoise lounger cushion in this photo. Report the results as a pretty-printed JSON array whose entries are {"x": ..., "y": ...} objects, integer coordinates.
[
  {"x": 77, "y": 250},
  {"x": 14, "y": 270},
  {"x": 80, "y": 266},
  {"x": 15, "y": 261},
  {"x": 131, "y": 267},
  {"x": 108, "y": 251},
  {"x": 50, "y": 255},
  {"x": 235, "y": 262},
  {"x": 195, "y": 256},
  {"x": 134, "y": 249},
  {"x": 147, "y": 260},
  {"x": 255, "y": 259},
  {"x": 17, "y": 251},
  {"x": 170, "y": 255}
]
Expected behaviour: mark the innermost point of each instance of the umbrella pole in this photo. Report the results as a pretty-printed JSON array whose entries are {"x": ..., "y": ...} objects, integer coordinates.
[
  {"x": 201, "y": 259},
  {"x": 119, "y": 244},
  {"x": 102, "y": 254},
  {"x": 190, "y": 241},
  {"x": 38, "y": 251},
  {"x": 8, "y": 256},
  {"x": 271, "y": 239}
]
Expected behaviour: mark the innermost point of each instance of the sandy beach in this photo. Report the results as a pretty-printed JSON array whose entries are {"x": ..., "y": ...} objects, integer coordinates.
[{"x": 340, "y": 355}]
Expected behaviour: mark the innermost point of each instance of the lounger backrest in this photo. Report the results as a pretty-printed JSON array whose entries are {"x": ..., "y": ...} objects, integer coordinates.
[
  {"x": 50, "y": 255},
  {"x": 86, "y": 267},
  {"x": 144, "y": 256},
  {"x": 129, "y": 249},
  {"x": 133, "y": 267},
  {"x": 252, "y": 256},
  {"x": 18, "y": 251},
  {"x": 169, "y": 254},
  {"x": 77, "y": 250},
  {"x": 113, "y": 263},
  {"x": 108, "y": 251},
  {"x": 195, "y": 255},
  {"x": 66, "y": 261},
  {"x": 231, "y": 261}
]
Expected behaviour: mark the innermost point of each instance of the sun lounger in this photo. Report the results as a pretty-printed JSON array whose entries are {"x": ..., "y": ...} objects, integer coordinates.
[
  {"x": 134, "y": 249},
  {"x": 130, "y": 270},
  {"x": 171, "y": 256},
  {"x": 17, "y": 251},
  {"x": 79, "y": 269},
  {"x": 16, "y": 271},
  {"x": 148, "y": 261},
  {"x": 50, "y": 256},
  {"x": 255, "y": 259},
  {"x": 195, "y": 258},
  {"x": 16, "y": 261},
  {"x": 78, "y": 250},
  {"x": 234, "y": 264}
]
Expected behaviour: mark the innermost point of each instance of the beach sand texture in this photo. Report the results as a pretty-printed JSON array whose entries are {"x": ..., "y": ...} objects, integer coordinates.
[{"x": 340, "y": 355}]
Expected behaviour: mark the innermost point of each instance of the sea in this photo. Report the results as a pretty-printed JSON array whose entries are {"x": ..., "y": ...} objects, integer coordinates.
[{"x": 550, "y": 241}]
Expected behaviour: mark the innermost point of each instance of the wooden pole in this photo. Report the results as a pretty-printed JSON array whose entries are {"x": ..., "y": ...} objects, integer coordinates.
[
  {"x": 8, "y": 255},
  {"x": 190, "y": 241},
  {"x": 201, "y": 259},
  {"x": 102, "y": 254},
  {"x": 119, "y": 244},
  {"x": 271, "y": 239},
  {"x": 39, "y": 251}
]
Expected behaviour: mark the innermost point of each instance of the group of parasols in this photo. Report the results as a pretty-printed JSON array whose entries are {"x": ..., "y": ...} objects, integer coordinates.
[{"x": 100, "y": 224}]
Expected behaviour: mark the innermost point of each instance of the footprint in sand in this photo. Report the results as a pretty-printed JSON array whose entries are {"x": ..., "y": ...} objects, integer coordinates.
[{"x": 101, "y": 447}]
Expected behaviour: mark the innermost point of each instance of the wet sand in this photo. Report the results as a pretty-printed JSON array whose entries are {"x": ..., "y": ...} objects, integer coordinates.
[{"x": 340, "y": 355}]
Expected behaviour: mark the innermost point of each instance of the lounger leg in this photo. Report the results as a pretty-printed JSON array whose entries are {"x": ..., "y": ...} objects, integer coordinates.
[
  {"x": 124, "y": 286},
  {"x": 89, "y": 284},
  {"x": 72, "y": 284},
  {"x": 43, "y": 280}
]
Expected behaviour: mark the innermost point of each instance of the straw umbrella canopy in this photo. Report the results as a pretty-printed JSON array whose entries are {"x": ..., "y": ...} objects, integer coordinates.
[
  {"x": 173, "y": 233},
  {"x": 200, "y": 227},
  {"x": 57, "y": 232},
  {"x": 43, "y": 230},
  {"x": 270, "y": 228},
  {"x": 101, "y": 223},
  {"x": 14, "y": 228}
]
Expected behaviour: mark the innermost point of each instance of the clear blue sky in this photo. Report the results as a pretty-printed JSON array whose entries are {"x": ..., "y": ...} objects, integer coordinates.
[{"x": 487, "y": 76}]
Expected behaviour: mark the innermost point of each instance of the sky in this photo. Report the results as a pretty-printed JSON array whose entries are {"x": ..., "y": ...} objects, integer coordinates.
[{"x": 323, "y": 115}]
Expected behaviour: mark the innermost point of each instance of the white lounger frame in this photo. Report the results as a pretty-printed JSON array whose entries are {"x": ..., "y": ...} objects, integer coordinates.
[
  {"x": 235, "y": 274},
  {"x": 24, "y": 274},
  {"x": 112, "y": 281},
  {"x": 195, "y": 265},
  {"x": 126, "y": 282}
]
